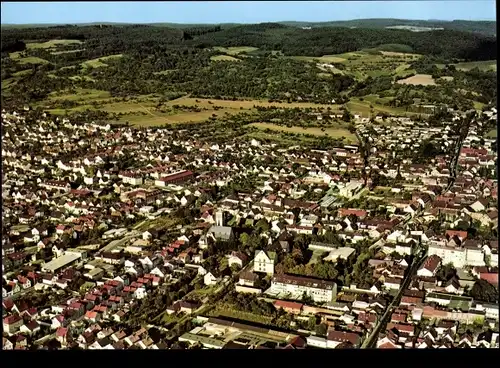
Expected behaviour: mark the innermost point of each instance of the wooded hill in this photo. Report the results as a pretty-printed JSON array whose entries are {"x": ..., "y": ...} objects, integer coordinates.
[{"x": 266, "y": 36}]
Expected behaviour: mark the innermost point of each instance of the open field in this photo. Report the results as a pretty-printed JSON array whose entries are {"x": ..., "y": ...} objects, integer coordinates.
[
  {"x": 332, "y": 132},
  {"x": 81, "y": 95},
  {"x": 488, "y": 65},
  {"x": 478, "y": 105},
  {"x": 65, "y": 52},
  {"x": 22, "y": 73},
  {"x": 419, "y": 79},
  {"x": 236, "y": 50},
  {"x": 368, "y": 63},
  {"x": 322, "y": 59},
  {"x": 356, "y": 106},
  {"x": 164, "y": 72},
  {"x": 51, "y": 44},
  {"x": 31, "y": 60},
  {"x": 245, "y": 104},
  {"x": 240, "y": 315},
  {"x": 99, "y": 62},
  {"x": 492, "y": 133},
  {"x": 143, "y": 110},
  {"x": 224, "y": 58}
]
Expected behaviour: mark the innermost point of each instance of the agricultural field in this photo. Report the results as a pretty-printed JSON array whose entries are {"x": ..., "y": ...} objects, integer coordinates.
[
  {"x": 492, "y": 133},
  {"x": 236, "y": 50},
  {"x": 419, "y": 80},
  {"x": 488, "y": 65},
  {"x": 51, "y": 44},
  {"x": 334, "y": 132},
  {"x": 356, "y": 106},
  {"x": 367, "y": 63},
  {"x": 143, "y": 110},
  {"x": 224, "y": 58},
  {"x": 99, "y": 62}
]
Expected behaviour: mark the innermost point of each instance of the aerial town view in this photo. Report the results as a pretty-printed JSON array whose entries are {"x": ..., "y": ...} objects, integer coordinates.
[{"x": 249, "y": 176}]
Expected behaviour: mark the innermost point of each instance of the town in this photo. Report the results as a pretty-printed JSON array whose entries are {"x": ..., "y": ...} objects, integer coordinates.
[{"x": 120, "y": 237}]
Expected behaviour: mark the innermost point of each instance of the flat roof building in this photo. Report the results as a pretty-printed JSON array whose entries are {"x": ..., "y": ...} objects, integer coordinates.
[{"x": 66, "y": 260}]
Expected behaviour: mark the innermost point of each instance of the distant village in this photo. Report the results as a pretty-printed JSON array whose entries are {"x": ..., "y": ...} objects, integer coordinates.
[{"x": 115, "y": 237}]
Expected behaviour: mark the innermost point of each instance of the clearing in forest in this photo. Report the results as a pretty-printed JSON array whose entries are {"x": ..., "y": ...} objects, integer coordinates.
[
  {"x": 99, "y": 62},
  {"x": 419, "y": 79},
  {"x": 224, "y": 58},
  {"x": 235, "y": 50},
  {"x": 51, "y": 44},
  {"x": 487, "y": 65}
]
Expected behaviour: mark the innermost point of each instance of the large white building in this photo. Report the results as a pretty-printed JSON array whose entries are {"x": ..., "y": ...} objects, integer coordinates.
[
  {"x": 460, "y": 257},
  {"x": 264, "y": 262},
  {"x": 457, "y": 256},
  {"x": 321, "y": 291}
]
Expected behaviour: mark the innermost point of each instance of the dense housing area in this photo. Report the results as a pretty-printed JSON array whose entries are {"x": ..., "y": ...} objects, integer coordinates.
[{"x": 255, "y": 187}]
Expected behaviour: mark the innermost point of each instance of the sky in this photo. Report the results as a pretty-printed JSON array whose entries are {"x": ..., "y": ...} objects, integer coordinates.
[{"x": 240, "y": 11}]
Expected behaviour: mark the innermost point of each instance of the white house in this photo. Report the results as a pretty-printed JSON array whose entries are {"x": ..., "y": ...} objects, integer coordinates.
[
  {"x": 209, "y": 279},
  {"x": 264, "y": 262}
]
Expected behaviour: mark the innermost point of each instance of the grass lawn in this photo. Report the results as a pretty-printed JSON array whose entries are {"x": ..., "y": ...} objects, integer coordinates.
[
  {"x": 224, "y": 58},
  {"x": 223, "y": 311},
  {"x": 328, "y": 131}
]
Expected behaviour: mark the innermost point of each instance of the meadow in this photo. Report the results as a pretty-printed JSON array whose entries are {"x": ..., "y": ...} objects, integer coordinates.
[{"x": 334, "y": 132}]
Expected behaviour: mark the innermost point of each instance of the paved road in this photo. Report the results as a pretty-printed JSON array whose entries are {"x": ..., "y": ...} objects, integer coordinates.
[{"x": 371, "y": 340}]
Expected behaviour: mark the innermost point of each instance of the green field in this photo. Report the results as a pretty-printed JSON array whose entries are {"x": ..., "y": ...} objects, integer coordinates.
[
  {"x": 481, "y": 65},
  {"x": 488, "y": 65},
  {"x": 492, "y": 133},
  {"x": 236, "y": 50},
  {"x": 224, "y": 58},
  {"x": 142, "y": 111},
  {"x": 99, "y": 62},
  {"x": 222, "y": 311},
  {"x": 31, "y": 60},
  {"x": 51, "y": 44},
  {"x": 356, "y": 106},
  {"x": 336, "y": 132}
]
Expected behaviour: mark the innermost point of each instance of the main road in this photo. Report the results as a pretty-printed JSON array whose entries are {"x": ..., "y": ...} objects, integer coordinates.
[{"x": 371, "y": 340}]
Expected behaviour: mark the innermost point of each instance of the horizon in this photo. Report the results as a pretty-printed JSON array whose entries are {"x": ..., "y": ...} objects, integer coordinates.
[{"x": 242, "y": 12}]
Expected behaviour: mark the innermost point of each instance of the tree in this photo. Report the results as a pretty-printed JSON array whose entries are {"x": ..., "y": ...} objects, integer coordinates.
[
  {"x": 484, "y": 291},
  {"x": 322, "y": 329},
  {"x": 262, "y": 225},
  {"x": 446, "y": 272}
]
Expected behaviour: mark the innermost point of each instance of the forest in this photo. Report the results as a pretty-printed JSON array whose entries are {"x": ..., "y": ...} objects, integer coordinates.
[
  {"x": 268, "y": 36},
  {"x": 135, "y": 60}
]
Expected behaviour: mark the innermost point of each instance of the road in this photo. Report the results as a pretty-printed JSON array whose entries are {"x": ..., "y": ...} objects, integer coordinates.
[
  {"x": 371, "y": 340},
  {"x": 454, "y": 162}
]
